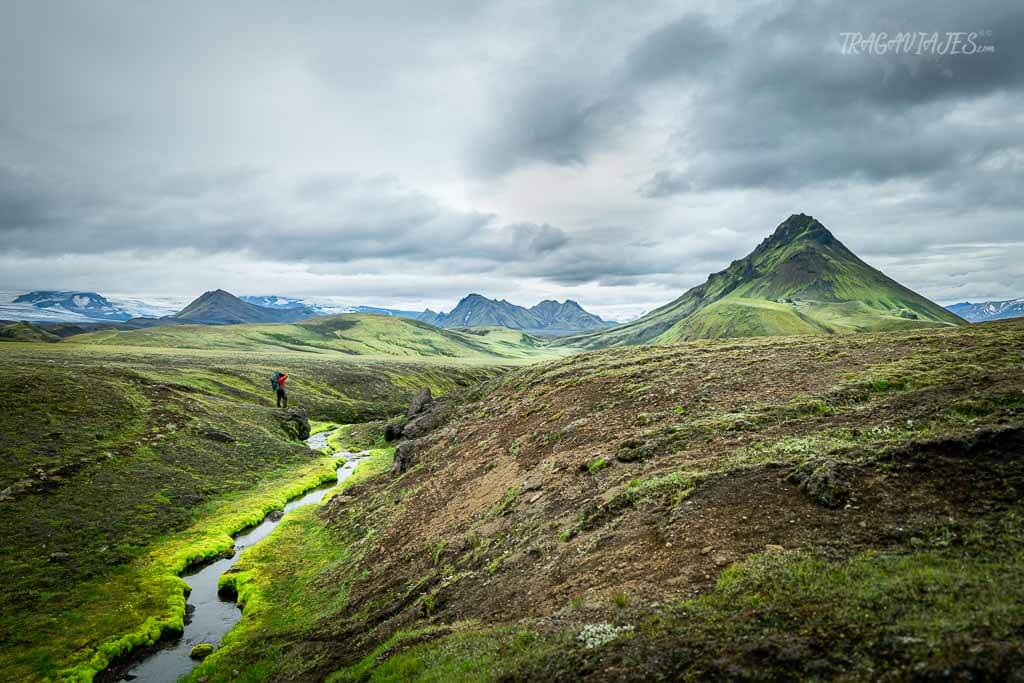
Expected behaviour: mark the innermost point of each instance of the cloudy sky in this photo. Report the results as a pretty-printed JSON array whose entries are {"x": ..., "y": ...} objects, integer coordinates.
[{"x": 407, "y": 153}]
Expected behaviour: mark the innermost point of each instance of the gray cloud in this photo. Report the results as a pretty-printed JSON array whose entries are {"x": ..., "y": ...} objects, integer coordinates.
[
  {"x": 550, "y": 123},
  {"x": 683, "y": 46},
  {"x": 409, "y": 153},
  {"x": 665, "y": 184}
]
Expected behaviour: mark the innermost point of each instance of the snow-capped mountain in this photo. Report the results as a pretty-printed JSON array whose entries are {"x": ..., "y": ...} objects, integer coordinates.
[
  {"x": 81, "y": 306},
  {"x": 148, "y": 307},
  {"x": 88, "y": 305},
  {"x": 319, "y": 305},
  {"x": 989, "y": 310}
]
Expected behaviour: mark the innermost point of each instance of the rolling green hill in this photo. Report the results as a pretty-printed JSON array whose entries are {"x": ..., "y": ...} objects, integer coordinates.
[
  {"x": 25, "y": 332},
  {"x": 349, "y": 334},
  {"x": 800, "y": 280}
]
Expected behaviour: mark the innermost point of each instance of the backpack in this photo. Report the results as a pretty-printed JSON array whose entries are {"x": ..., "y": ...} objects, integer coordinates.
[{"x": 274, "y": 383}]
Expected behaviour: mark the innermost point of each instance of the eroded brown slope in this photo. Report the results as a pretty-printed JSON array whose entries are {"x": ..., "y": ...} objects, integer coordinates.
[{"x": 609, "y": 486}]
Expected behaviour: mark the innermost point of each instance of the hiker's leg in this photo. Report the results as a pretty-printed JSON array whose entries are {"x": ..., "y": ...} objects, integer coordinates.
[
  {"x": 285, "y": 395},
  {"x": 278, "y": 398}
]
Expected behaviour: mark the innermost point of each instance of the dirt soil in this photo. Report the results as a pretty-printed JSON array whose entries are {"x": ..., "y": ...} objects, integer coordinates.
[{"x": 611, "y": 484}]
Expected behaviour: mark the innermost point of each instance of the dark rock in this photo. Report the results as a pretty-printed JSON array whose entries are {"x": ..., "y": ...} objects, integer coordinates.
[
  {"x": 217, "y": 435},
  {"x": 393, "y": 431},
  {"x": 824, "y": 483},
  {"x": 427, "y": 422},
  {"x": 59, "y": 557},
  {"x": 421, "y": 403},
  {"x": 405, "y": 456},
  {"x": 632, "y": 450},
  {"x": 275, "y": 515},
  {"x": 295, "y": 422}
]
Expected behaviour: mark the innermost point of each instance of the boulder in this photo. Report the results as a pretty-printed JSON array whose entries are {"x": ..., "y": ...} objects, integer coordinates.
[
  {"x": 295, "y": 422},
  {"x": 421, "y": 403},
  {"x": 217, "y": 435},
  {"x": 427, "y": 422},
  {"x": 405, "y": 456},
  {"x": 825, "y": 483},
  {"x": 201, "y": 651}
]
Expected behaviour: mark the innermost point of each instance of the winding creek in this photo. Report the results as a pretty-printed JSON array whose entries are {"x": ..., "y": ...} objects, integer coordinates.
[{"x": 209, "y": 617}]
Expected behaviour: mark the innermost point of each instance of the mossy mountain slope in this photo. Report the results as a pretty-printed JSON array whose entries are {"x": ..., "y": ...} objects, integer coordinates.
[
  {"x": 834, "y": 507},
  {"x": 799, "y": 280}
]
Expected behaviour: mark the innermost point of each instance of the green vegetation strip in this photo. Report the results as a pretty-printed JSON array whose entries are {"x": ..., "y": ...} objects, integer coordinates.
[
  {"x": 466, "y": 651},
  {"x": 276, "y": 584},
  {"x": 159, "y": 572}
]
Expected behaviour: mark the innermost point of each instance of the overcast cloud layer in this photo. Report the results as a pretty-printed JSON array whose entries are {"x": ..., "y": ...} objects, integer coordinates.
[{"x": 405, "y": 154}]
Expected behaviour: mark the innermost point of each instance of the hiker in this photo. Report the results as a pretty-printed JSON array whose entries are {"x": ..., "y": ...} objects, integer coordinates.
[{"x": 278, "y": 384}]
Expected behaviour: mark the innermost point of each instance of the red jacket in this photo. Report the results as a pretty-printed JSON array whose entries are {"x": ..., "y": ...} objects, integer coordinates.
[{"x": 281, "y": 380}]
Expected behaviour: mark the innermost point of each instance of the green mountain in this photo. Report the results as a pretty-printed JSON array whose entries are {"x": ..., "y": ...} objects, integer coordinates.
[
  {"x": 547, "y": 318},
  {"x": 799, "y": 280},
  {"x": 223, "y": 308}
]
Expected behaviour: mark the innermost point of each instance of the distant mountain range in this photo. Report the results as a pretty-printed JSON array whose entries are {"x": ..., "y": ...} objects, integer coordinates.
[
  {"x": 223, "y": 308},
  {"x": 799, "y": 280},
  {"x": 989, "y": 310},
  {"x": 546, "y": 318}
]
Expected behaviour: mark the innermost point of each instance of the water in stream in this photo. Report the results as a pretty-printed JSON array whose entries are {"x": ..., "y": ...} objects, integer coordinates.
[{"x": 210, "y": 616}]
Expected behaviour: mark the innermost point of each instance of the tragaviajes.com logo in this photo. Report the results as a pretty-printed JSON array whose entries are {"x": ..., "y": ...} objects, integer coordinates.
[{"x": 918, "y": 43}]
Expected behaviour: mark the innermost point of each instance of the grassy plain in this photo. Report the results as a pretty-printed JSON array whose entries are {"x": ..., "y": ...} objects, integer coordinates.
[
  {"x": 364, "y": 335},
  {"x": 121, "y": 465}
]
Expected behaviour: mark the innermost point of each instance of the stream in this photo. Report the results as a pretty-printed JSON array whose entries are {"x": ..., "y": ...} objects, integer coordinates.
[{"x": 209, "y": 617}]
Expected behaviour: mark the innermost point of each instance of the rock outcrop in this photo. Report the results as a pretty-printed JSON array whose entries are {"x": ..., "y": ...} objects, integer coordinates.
[
  {"x": 405, "y": 457},
  {"x": 427, "y": 422},
  {"x": 425, "y": 414},
  {"x": 295, "y": 423},
  {"x": 422, "y": 402}
]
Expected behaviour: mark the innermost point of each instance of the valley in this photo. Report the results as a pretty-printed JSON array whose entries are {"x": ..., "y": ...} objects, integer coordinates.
[
  {"x": 782, "y": 473},
  {"x": 124, "y": 465},
  {"x": 802, "y": 507},
  {"x": 356, "y": 335}
]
